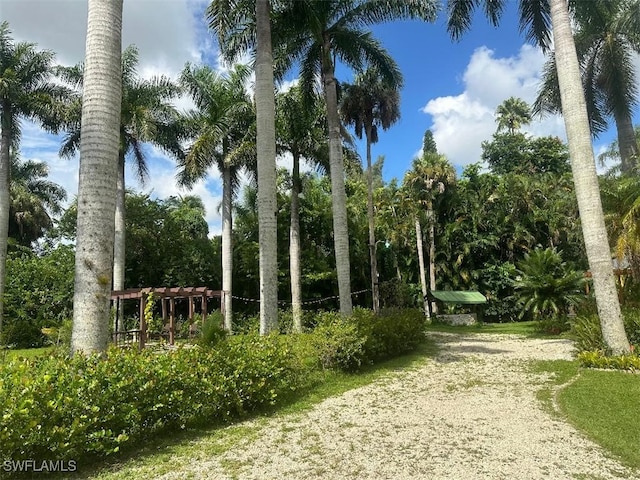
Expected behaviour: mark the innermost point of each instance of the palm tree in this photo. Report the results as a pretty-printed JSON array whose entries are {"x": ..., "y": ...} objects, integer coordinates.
[
  {"x": 221, "y": 127},
  {"x": 26, "y": 91},
  {"x": 300, "y": 130},
  {"x": 314, "y": 34},
  {"x": 99, "y": 147},
  {"x": 33, "y": 200},
  {"x": 146, "y": 116},
  {"x": 536, "y": 17},
  {"x": 512, "y": 114},
  {"x": 605, "y": 45},
  {"x": 368, "y": 104},
  {"x": 430, "y": 176}
]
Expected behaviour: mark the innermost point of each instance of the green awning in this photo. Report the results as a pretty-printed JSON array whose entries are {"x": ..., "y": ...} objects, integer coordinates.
[{"x": 461, "y": 298}]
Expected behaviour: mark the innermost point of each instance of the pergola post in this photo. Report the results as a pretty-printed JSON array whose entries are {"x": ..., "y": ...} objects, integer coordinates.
[{"x": 143, "y": 321}]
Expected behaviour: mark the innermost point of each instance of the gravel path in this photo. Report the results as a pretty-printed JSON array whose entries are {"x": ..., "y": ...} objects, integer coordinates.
[{"x": 470, "y": 413}]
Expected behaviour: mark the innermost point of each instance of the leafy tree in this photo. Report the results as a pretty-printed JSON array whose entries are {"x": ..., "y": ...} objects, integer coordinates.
[
  {"x": 368, "y": 104},
  {"x": 536, "y": 17},
  {"x": 512, "y": 114},
  {"x": 39, "y": 294},
  {"x": 522, "y": 154},
  {"x": 26, "y": 91},
  {"x": 33, "y": 200},
  {"x": 605, "y": 42},
  {"x": 99, "y": 147}
]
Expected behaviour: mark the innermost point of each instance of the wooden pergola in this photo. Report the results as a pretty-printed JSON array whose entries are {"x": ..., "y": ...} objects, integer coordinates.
[{"x": 167, "y": 297}]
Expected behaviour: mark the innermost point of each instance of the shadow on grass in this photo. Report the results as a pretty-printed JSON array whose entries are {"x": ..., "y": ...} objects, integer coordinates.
[{"x": 159, "y": 448}]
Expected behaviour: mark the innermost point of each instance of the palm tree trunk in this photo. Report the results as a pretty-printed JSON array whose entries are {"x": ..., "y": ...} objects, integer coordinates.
[
  {"x": 99, "y": 146},
  {"x": 423, "y": 276},
  {"x": 266, "y": 145},
  {"x": 119, "y": 239},
  {"x": 227, "y": 250},
  {"x": 432, "y": 255},
  {"x": 338, "y": 193},
  {"x": 5, "y": 200},
  {"x": 627, "y": 142},
  {"x": 585, "y": 179},
  {"x": 294, "y": 246},
  {"x": 372, "y": 234}
]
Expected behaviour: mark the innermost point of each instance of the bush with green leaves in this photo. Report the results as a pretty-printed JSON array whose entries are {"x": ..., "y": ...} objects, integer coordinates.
[
  {"x": 546, "y": 285},
  {"x": 586, "y": 331},
  {"x": 598, "y": 359},
  {"x": 62, "y": 408},
  {"x": 348, "y": 343},
  {"x": 213, "y": 331}
]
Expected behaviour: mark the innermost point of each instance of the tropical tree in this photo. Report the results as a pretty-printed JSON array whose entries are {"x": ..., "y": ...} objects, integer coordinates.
[
  {"x": 33, "y": 200},
  {"x": 99, "y": 147},
  {"x": 300, "y": 130},
  {"x": 512, "y": 114},
  {"x": 605, "y": 43},
  {"x": 222, "y": 130},
  {"x": 546, "y": 285},
  {"x": 266, "y": 158},
  {"x": 147, "y": 116},
  {"x": 536, "y": 18},
  {"x": 26, "y": 91},
  {"x": 366, "y": 105},
  {"x": 427, "y": 181},
  {"x": 314, "y": 35}
]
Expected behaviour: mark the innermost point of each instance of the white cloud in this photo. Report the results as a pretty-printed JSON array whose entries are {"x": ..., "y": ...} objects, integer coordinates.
[{"x": 462, "y": 122}]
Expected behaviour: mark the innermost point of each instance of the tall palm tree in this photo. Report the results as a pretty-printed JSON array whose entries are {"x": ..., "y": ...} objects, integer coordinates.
[
  {"x": 536, "y": 17},
  {"x": 605, "y": 44},
  {"x": 147, "y": 116},
  {"x": 366, "y": 105},
  {"x": 512, "y": 114},
  {"x": 33, "y": 200},
  {"x": 300, "y": 130},
  {"x": 266, "y": 146},
  {"x": 99, "y": 147},
  {"x": 221, "y": 126},
  {"x": 26, "y": 91},
  {"x": 430, "y": 176},
  {"x": 314, "y": 35}
]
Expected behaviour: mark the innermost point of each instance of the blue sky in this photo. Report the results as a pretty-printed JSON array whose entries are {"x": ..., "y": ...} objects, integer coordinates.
[{"x": 452, "y": 88}]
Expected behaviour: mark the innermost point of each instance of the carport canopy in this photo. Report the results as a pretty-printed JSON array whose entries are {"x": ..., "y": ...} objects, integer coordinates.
[{"x": 459, "y": 297}]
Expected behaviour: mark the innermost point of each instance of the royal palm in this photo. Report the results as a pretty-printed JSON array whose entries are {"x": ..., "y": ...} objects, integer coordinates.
[
  {"x": 536, "y": 18},
  {"x": 26, "y": 91}
]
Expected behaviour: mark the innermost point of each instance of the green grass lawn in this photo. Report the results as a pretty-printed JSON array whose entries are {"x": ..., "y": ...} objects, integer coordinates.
[
  {"x": 9, "y": 354},
  {"x": 604, "y": 404}
]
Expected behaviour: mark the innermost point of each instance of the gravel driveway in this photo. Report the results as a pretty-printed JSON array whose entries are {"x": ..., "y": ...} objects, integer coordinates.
[{"x": 470, "y": 413}]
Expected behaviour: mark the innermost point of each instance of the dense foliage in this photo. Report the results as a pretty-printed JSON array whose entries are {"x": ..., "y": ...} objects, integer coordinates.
[
  {"x": 39, "y": 293},
  {"x": 64, "y": 408}
]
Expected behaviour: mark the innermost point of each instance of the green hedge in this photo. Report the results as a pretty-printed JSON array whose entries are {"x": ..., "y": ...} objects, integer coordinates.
[
  {"x": 598, "y": 359},
  {"x": 73, "y": 408},
  {"x": 365, "y": 338},
  {"x": 67, "y": 408}
]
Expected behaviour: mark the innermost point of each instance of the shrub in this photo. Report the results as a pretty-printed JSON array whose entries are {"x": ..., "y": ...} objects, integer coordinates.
[
  {"x": 213, "y": 331},
  {"x": 585, "y": 328},
  {"x": 553, "y": 325},
  {"x": 38, "y": 293},
  {"x": 338, "y": 342},
  {"x": 597, "y": 359},
  {"x": 69, "y": 408}
]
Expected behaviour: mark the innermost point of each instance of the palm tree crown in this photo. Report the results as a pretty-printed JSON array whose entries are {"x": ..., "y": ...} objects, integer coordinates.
[{"x": 512, "y": 114}]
